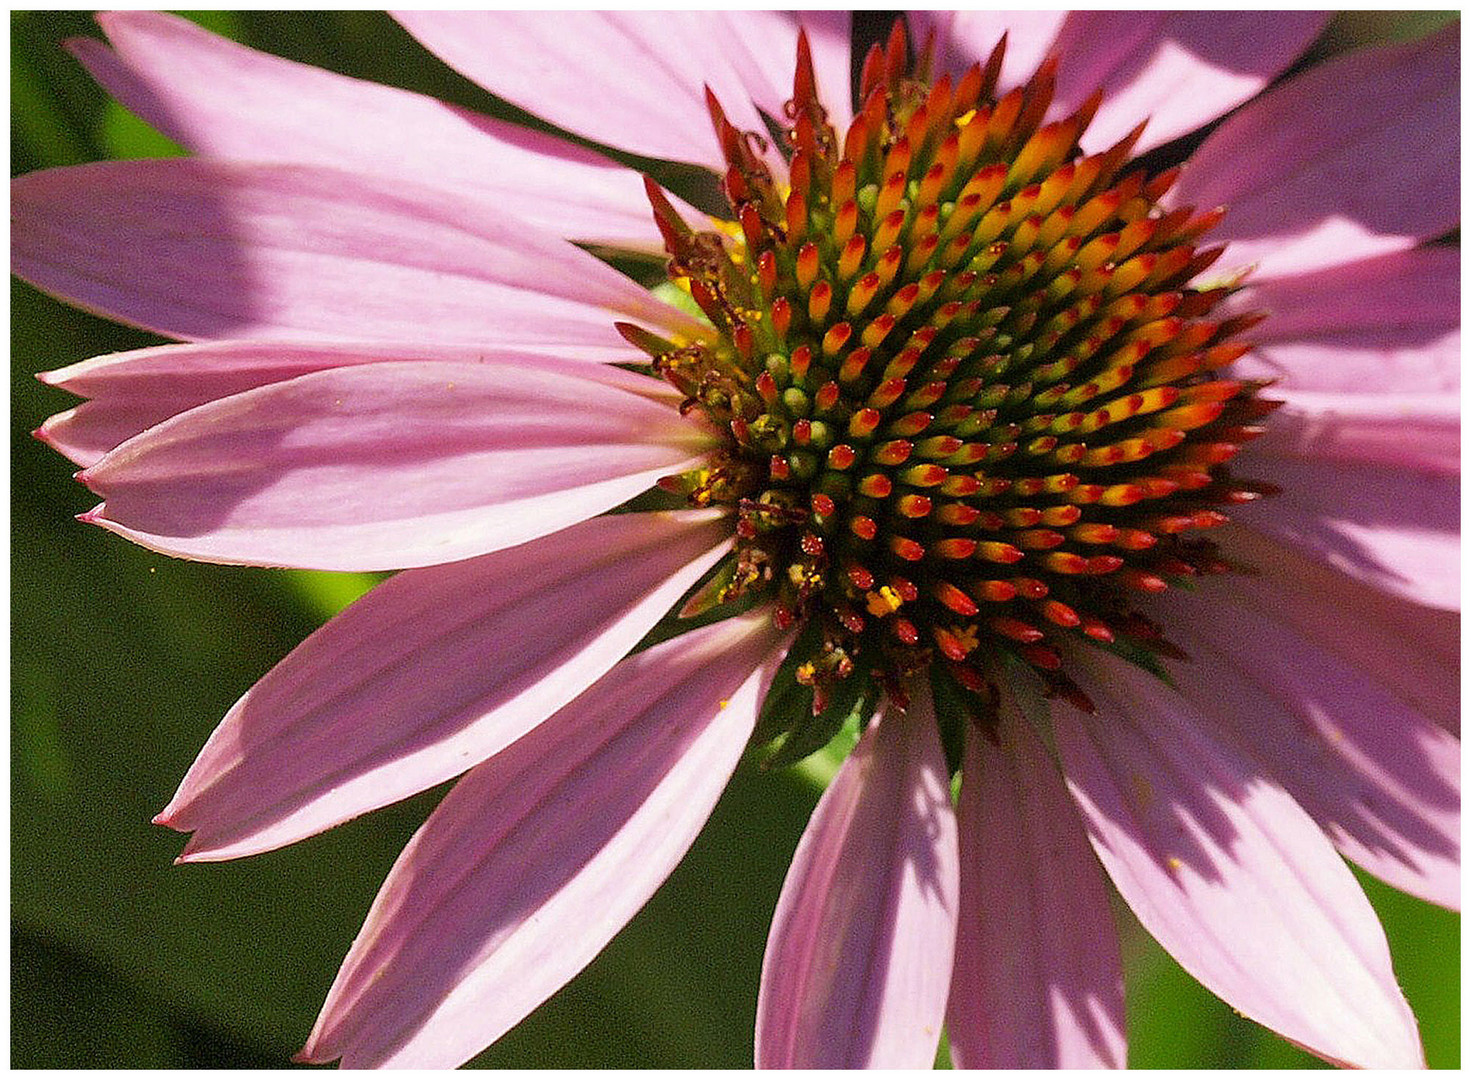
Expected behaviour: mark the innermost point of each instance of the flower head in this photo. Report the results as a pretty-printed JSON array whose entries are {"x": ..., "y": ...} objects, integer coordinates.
[{"x": 963, "y": 428}]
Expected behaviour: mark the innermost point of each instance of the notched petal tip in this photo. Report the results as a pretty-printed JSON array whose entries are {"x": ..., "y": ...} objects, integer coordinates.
[
  {"x": 167, "y": 817},
  {"x": 311, "y": 1053},
  {"x": 193, "y": 853}
]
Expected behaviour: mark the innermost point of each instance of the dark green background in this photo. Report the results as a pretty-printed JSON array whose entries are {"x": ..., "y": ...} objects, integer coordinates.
[{"x": 123, "y": 661}]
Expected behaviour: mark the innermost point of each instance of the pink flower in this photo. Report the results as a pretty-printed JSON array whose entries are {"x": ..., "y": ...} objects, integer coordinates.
[{"x": 395, "y": 361}]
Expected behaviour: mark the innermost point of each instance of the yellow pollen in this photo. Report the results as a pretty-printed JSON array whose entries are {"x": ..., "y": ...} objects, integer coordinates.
[
  {"x": 732, "y": 229},
  {"x": 884, "y": 602},
  {"x": 966, "y": 637},
  {"x": 801, "y": 574}
]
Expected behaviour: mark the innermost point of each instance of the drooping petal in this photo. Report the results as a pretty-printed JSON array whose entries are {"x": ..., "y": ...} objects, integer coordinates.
[
  {"x": 1315, "y": 173},
  {"x": 1411, "y": 650},
  {"x": 197, "y": 249},
  {"x": 1394, "y": 528},
  {"x": 574, "y": 69},
  {"x": 390, "y": 465},
  {"x": 132, "y": 391},
  {"x": 1038, "y": 983},
  {"x": 1380, "y": 778},
  {"x": 433, "y": 671},
  {"x": 1179, "y": 69},
  {"x": 858, "y": 962},
  {"x": 224, "y": 100},
  {"x": 1228, "y": 872},
  {"x": 540, "y": 855}
]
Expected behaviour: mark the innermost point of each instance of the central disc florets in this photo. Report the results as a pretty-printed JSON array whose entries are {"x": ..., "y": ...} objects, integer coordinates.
[{"x": 970, "y": 395}]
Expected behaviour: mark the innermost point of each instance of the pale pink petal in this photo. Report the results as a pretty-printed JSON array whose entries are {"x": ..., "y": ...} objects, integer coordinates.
[
  {"x": 1178, "y": 69},
  {"x": 1358, "y": 156},
  {"x": 1382, "y": 779},
  {"x": 224, "y": 100},
  {"x": 1394, "y": 528},
  {"x": 858, "y": 962},
  {"x": 634, "y": 80},
  {"x": 963, "y": 38},
  {"x": 433, "y": 671},
  {"x": 540, "y": 855},
  {"x": 135, "y": 390},
  {"x": 1381, "y": 328},
  {"x": 1409, "y": 431},
  {"x": 1367, "y": 358},
  {"x": 761, "y": 48},
  {"x": 1405, "y": 299},
  {"x": 196, "y": 249},
  {"x": 382, "y": 466},
  {"x": 1410, "y": 650},
  {"x": 132, "y": 391},
  {"x": 1229, "y": 874},
  {"x": 1038, "y": 982}
]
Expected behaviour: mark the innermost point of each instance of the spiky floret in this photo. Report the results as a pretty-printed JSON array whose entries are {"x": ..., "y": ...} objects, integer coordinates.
[{"x": 971, "y": 395}]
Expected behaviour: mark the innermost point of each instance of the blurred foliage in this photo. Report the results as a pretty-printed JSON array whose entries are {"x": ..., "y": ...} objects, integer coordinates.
[{"x": 123, "y": 660}]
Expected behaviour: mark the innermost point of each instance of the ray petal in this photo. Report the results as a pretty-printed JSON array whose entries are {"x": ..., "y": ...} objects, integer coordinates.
[
  {"x": 858, "y": 962},
  {"x": 385, "y": 466},
  {"x": 539, "y": 856},
  {"x": 1229, "y": 873}
]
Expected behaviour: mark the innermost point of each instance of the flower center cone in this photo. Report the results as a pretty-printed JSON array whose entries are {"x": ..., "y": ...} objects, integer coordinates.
[{"x": 969, "y": 396}]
